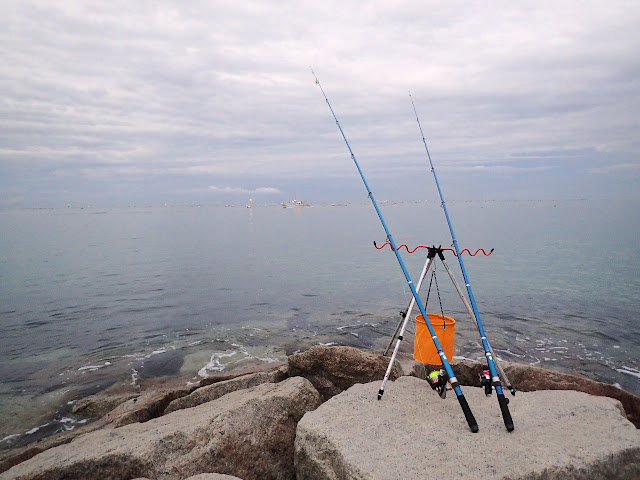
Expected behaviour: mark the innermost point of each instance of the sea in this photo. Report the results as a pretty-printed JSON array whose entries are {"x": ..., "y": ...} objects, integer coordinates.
[{"x": 90, "y": 297}]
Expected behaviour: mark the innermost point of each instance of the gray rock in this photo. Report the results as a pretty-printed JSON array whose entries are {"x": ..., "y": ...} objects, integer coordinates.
[
  {"x": 248, "y": 433},
  {"x": 217, "y": 390},
  {"x": 527, "y": 378},
  {"x": 412, "y": 433},
  {"x": 96, "y": 406},
  {"x": 215, "y": 377},
  {"x": 145, "y": 407},
  {"x": 334, "y": 369},
  {"x": 14, "y": 456},
  {"x": 205, "y": 476},
  {"x": 129, "y": 408},
  {"x": 213, "y": 476}
]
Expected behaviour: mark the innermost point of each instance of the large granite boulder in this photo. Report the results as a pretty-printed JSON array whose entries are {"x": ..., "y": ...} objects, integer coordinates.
[
  {"x": 212, "y": 476},
  {"x": 112, "y": 409},
  {"x": 217, "y": 390},
  {"x": 248, "y": 433},
  {"x": 205, "y": 476},
  {"x": 96, "y": 406},
  {"x": 143, "y": 408},
  {"x": 412, "y": 433},
  {"x": 215, "y": 377},
  {"x": 334, "y": 369},
  {"x": 527, "y": 378}
]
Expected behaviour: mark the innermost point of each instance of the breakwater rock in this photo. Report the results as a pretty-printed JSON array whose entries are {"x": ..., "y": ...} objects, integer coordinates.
[
  {"x": 249, "y": 434},
  {"x": 412, "y": 433},
  {"x": 318, "y": 417}
]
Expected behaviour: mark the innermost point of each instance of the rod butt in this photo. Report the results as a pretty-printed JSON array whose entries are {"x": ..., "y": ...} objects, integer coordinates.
[
  {"x": 506, "y": 415},
  {"x": 380, "y": 393},
  {"x": 473, "y": 425}
]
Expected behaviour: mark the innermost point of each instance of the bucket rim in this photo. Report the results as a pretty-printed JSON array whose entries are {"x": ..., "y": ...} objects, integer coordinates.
[{"x": 436, "y": 317}]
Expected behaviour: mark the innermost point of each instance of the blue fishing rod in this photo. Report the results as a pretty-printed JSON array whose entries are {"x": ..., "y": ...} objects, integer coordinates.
[
  {"x": 450, "y": 375},
  {"x": 495, "y": 377}
]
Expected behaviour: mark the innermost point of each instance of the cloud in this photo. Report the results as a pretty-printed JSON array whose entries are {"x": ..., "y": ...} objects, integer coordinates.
[{"x": 204, "y": 91}]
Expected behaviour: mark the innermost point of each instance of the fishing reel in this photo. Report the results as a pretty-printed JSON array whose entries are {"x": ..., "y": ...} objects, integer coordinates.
[
  {"x": 485, "y": 381},
  {"x": 438, "y": 380}
]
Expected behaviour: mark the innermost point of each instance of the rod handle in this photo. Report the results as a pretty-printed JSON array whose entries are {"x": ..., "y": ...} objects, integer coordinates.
[
  {"x": 506, "y": 415},
  {"x": 471, "y": 420}
]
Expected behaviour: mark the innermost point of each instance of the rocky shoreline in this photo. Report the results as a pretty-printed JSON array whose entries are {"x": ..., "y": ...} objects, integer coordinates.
[{"x": 247, "y": 424}]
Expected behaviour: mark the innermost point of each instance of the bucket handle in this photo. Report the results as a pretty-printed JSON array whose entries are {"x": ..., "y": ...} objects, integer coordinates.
[{"x": 435, "y": 279}]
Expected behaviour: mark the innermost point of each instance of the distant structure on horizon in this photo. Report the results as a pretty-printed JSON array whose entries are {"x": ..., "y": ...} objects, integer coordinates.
[{"x": 295, "y": 203}]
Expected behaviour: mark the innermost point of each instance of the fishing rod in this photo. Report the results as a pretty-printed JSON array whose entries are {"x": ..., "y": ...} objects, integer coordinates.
[
  {"x": 451, "y": 378},
  {"x": 495, "y": 377}
]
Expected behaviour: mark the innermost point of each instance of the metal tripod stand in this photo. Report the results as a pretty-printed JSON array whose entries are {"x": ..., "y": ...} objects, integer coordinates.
[{"x": 400, "y": 329}]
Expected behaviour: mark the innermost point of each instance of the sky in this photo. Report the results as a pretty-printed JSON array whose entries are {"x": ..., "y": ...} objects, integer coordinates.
[{"x": 116, "y": 103}]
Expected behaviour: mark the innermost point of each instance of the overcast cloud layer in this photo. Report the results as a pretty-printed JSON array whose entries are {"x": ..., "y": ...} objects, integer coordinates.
[{"x": 121, "y": 103}]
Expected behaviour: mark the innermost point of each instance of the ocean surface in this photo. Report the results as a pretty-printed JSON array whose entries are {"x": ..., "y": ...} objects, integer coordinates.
[{"x": 94, "y": 296}]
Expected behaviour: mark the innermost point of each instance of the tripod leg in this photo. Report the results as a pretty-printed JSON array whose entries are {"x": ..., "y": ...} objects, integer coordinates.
[
  {"x": 395, "y": 334},
  {"x": 430, "y": 255},
  {"x": 400, "y": 337}
]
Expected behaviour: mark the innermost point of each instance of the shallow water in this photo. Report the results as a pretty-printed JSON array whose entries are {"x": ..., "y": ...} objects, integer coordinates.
[{"x": 95, "y": 296}]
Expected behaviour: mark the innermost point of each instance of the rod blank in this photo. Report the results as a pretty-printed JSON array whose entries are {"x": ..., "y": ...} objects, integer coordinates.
[{"x": 502, "y": 400}]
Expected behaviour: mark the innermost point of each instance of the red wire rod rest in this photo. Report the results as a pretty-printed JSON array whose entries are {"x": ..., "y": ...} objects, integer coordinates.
[{"x": 426, "y": 246}]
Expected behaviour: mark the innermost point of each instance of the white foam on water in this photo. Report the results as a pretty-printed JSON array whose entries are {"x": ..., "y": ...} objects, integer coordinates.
[
  {"x": 93, "y": 368},
  {"x": 8, "y": 438},
  {"x": 215, "y": 364},
  {"x": 629, "y": 371},
  {"x": 134, "y": 376},
  {"x": 269, "y": 359},
  {"x": 89, "y": 368},
  {"x": 346, "y": 326},
  {"x": 506, "y": 351},
  {"x": 33, "y": 430},
  {"x": 222, "y": 360}
]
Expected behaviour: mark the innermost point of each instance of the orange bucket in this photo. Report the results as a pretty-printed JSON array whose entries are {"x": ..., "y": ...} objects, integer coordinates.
[{"x": 423, "y": 348}]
